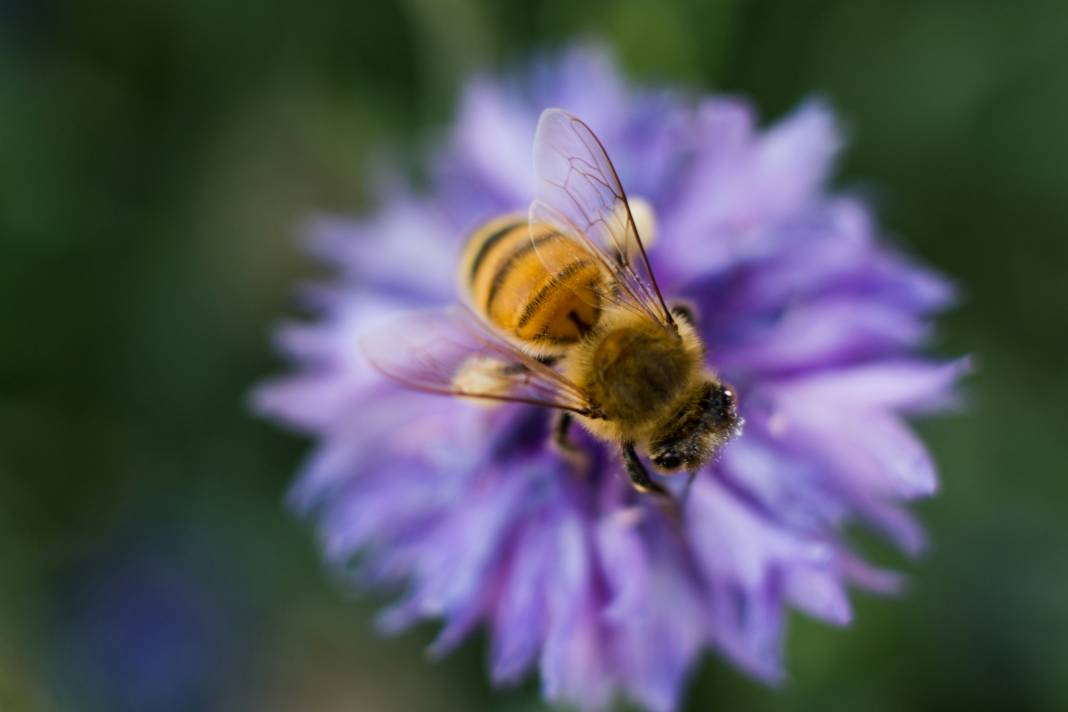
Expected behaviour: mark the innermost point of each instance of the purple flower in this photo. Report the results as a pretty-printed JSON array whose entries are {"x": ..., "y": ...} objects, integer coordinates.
[{"x": 806, "y": 311}]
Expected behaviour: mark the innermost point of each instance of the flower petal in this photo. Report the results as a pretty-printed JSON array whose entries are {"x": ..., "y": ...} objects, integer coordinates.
[
  {"x": 657, "y": 619},
  {"x": 896, "y": 384}
]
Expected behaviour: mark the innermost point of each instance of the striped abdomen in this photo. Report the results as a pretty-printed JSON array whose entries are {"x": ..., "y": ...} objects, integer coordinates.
[{"x": 532, "y": 283}]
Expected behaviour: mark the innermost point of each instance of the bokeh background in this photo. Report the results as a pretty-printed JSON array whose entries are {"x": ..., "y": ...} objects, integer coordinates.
[{"x": 156, "y": 161}]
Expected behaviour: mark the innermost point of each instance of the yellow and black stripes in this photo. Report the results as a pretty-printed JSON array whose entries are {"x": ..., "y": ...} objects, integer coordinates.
[
  {"x": 486, "y": 238},
  {"x": 519, "y": 258},
  {"x": 532, "y": 282}
]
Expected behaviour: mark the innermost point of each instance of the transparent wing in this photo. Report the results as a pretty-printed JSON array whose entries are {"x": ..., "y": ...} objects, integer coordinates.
[
  {"x": 579, "y": 193},
  {"x": 451, "y": 352}
]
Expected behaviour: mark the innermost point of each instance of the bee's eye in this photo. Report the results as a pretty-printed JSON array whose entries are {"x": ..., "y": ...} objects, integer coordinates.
[
  {"x": 719, "y": 400},
  {"x": 668, "y": 462}
]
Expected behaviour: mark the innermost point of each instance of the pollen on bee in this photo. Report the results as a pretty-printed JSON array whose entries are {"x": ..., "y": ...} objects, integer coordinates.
[{"x": 483, "y": 374}]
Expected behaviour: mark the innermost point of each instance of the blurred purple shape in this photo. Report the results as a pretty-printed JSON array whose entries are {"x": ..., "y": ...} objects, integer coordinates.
[
  {"x": 146, "y": 629},
  {"x": 805, "y": 310}
]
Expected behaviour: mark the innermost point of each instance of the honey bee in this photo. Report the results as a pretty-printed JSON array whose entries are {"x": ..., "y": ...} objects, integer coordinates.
[{"x": 561, "y": 309}]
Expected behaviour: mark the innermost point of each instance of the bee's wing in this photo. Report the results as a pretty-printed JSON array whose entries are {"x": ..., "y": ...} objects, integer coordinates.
[
  {"x": 579, "y": 194},
  {"x": 451, "y": 352}
]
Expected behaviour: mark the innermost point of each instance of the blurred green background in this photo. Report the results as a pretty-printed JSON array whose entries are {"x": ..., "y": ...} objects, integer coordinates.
[{"x": 156, "y": 160}]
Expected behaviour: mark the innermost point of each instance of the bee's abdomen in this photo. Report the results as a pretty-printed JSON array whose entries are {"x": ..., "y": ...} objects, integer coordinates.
[{"x": 536, "y": 284}]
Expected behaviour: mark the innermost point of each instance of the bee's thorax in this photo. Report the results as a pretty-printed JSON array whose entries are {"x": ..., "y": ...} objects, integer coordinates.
[{"x": 637, "y": 371}]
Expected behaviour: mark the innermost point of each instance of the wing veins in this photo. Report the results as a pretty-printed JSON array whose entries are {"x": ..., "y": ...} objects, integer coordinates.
[{"x": 596, "y": 152}]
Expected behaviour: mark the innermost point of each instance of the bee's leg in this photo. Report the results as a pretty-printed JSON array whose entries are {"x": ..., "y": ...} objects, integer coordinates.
[
  {"x": 639, "y": 476},
  {"x": 561, "y": 430},
  {"x": 571, "y": 452},
  {"x": 686, "y": 490},
  {"x": 685, "y": 312}
]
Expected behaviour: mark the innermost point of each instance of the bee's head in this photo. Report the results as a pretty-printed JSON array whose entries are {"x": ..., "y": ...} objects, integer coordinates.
[{"x": 694, "y": 433}]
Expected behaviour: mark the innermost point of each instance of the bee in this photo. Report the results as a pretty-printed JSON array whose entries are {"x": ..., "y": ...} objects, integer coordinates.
[{"x": 561, "y": 309}]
